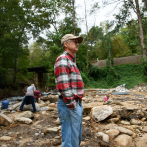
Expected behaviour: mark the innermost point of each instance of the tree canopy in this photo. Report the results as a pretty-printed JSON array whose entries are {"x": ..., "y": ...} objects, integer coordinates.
[{"x": 23, "y": 19}]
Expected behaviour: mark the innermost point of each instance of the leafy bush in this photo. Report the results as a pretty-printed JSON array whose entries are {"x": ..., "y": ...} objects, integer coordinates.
[
  {"x": 130, "y": 74},
  {"x": 144, "y": 68},
  {"x": 111, "y": 74},
  {"x": 89, "y": 82},
  {"x": 96, "y": 72}
]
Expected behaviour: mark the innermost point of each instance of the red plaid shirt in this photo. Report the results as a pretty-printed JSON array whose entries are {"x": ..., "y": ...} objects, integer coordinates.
[{"x": 68, "y": 79}]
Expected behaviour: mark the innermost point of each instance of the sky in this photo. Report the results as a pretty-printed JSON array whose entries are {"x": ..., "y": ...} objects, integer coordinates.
[
  {"x": 101, "y": 15},
  {"x": 93, "y": 19}
]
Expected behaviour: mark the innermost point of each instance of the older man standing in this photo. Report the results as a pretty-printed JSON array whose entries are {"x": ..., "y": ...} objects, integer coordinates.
[{"x": 69, "y": 85}]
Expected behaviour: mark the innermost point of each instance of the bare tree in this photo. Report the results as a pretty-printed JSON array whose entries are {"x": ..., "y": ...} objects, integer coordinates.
[
  {"x": 141, "y": 36},
  {"x": 73, "y": 7},
  {"x": 86, "y": 31}
]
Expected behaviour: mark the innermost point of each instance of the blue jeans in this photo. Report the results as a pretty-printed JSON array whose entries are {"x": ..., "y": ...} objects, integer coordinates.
[
  {"x": 71, "y": 124},
  {"x": 31, "y": 98}
]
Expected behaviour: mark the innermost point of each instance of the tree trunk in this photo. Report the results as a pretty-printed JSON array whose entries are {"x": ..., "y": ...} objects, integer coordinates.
[
  {"x": 90, "y": 51},
  {"x": 15, "y": 71},
  {"x": 73, "y": 7},
  {"x": 141, "y": 36},
  {"x": 87, "y": 32},
  {"x": 109, "y": 54}
]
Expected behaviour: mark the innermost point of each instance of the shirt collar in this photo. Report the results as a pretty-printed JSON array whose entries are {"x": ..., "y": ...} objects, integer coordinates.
[{"x": 71, "y": 57}]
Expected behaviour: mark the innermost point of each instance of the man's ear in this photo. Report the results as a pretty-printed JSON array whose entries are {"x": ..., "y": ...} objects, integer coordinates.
[{"x": 65, "y": 44}]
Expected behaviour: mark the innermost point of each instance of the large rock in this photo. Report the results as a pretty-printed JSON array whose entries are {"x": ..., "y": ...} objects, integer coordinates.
[
  {"x": 49, "y": 130},
  {"x": 124, "y": 130},
  {"x": 29, "y": 107},
  {"x": 114, "y": 120},
  {"x": 104, "y": 136},
  {"x": 135, "y": 122},
  {"x": 26, "y": 114},
  {"x": 145, "y": 129},
  {"x": 5, "y": 120},
  {"x": 44, "y": 108},
  {"x": 23, "y": 120},
  {"x": 53, "y": 98},
  {"x": 101, "y": 112},
  {"x": 111, "y": 126},
  {"x": 123, "y": 140},
  {"x": 112, "y": 133},
  {"x": 125, "y": 122},
  {"x": 5, "y": 138},
  {"x": 14, "y": 106},
  {"x": 87, "y": 118},
  {"x": 44, "y": 98}
]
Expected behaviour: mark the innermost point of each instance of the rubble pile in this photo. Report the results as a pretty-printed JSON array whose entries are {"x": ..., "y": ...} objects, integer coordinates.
[{"x": 120, "y": 122}]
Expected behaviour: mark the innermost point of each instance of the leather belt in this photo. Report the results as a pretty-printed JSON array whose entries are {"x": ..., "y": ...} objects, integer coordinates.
[
  {"x": 77, "y": 100},
  {"x": 61, "y": 97}
]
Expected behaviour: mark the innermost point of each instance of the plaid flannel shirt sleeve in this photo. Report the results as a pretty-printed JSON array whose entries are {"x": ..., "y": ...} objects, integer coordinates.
[{"x": 61, "y": 71}]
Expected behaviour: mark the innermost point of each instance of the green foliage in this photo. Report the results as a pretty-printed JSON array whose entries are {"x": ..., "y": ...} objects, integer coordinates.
[
  {"x": 119, "y": 47},
  {"x": 95, "y": 34},
  {"x": 81, "y": 59},
  {"x": 130, "y": 36},
  {"x": 111, "y": 74},
  {"x": 2, "y": 77},
  {"x": 144, "y": 68},
  {"x": 130, "y": 74},
  {"x": 144, "y": 23},
  {"x": 18, "y": 18},
  {"x": 89, "y": 82},
  {"x": 55, "y": 48},
  {"x": 97, "y": 73},
  {"x": 36, "y": 55}
]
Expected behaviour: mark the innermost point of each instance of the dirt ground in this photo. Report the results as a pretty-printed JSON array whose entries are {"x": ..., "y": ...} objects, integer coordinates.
[{"x": 34, "y": 135}]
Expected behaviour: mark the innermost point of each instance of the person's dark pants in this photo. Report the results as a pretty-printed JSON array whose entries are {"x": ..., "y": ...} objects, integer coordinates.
[
  {"x": 35, "y": 100},
  {"x": 26, "y": 98}
]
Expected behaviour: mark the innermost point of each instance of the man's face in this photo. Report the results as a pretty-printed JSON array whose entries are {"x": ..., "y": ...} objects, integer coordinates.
[{"x": 72, "y": 46}]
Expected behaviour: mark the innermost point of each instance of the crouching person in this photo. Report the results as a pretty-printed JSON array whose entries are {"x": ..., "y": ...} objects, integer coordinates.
[
  {"x": 29, "y": 97},
  {"x": 5, "y": 104}
]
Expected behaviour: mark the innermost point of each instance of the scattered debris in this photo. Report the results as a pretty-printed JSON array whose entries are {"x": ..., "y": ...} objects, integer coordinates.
[{"x": 121, "y": 121}]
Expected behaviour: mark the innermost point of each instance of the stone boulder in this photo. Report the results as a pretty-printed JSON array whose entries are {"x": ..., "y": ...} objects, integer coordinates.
[
  {"x": 135, "y": 122},
  {"x": 113, "y": 120},
  {"x": 23, "y": 120},
  {"x": 26, "y": 114},
  {"x": 44, "y": 98},
  {"x": 29, "y": 107},
  {"x": 101, "y": 112},
  {"x": 14, "y": 106},
  {"x": 5, "y": 120},
  {"x": 124, "y": 130},
  {"x": 104, "y": 136},
  {"x": 49, "y": 130},
  {"x": 5, "y": 138},
  {"x": 44, "y": 108},
  {"x": 123, "y": 140},
  {"x": 53, "y": 98},
  {"x": 112, "y": 133}
]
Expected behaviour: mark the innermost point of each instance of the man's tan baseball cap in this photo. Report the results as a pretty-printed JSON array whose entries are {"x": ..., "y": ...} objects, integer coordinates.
[{"x": 71, "y": 36}]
